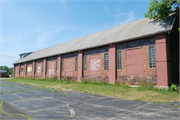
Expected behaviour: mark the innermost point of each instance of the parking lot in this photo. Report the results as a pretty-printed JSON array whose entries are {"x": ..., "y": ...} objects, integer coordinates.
[{"x": 46, "y": 104}]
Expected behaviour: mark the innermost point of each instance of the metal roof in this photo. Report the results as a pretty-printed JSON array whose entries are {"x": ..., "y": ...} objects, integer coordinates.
[
  {"x": 3, "y": 71},
  {"x": 129, "y": 31}
]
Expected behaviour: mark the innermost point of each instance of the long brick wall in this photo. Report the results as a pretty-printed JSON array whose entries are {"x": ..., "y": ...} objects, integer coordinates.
[{"x": 134, "y": 58}]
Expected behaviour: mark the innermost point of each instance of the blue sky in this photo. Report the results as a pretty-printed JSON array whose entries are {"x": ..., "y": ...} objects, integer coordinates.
[{"x": 31, "y": 25}]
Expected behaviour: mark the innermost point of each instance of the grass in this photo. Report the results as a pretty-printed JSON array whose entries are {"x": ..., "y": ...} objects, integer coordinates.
[{"x": 116, "y": 91}]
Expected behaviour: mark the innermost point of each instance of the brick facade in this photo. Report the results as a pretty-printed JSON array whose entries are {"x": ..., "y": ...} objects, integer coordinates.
[
  {"x": 51, "y": 69},
  {"x": 69, "y": 66},
  {"x": 148, "y": 73},
  {"x": 102, "y": 74},
  {"x": 22, "y": 70},
  {"x": 39, "y": 68},
  {"x": 96, "y": 63},
  {"x": 29, "y": 69},
  {"x": 16, "y": 70}
]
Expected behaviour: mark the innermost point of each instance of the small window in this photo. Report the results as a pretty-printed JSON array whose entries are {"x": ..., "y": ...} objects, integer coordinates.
[
  {"x": 22, "y": 69},
  {"x": 62, "y": 65},
  {"x": 152, "y": 57},
  {"x": 56, "y": 65},
  {"x": 46, "y": 66},
  {"x": 76, "y": 64},
  {"x": 106, "y": 61},
  {"x": 85, "y": 63},
  {"x": 42, "y": 66},
  {"x": 119, "y": 60}
]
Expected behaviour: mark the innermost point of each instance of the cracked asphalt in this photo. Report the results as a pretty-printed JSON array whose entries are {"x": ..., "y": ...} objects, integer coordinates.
[{"x": 41, "y": 104}]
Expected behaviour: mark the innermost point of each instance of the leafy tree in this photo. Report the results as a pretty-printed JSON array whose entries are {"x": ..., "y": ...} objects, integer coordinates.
[
  {"x": 10, "y": 71},
  {"x": 160, "y": 9}
]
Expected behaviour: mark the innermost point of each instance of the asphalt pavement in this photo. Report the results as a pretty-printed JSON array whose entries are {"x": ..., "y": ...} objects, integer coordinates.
[{"x": 43, "y": 104}]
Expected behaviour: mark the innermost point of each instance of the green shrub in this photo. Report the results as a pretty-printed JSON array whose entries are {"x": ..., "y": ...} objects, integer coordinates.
[
  {"x": 174, "y": 87},
  {"x": 54, "y": 78}
]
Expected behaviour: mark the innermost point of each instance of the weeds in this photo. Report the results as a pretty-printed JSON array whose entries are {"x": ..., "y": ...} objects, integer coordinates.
[
  {"x": 10, "y": 114},
  {"x": 174, "y": 87},
  {"x": 146, "y": 83},
  {"x": 65, "y": 94},
  {"x": 167, "y": 103}
]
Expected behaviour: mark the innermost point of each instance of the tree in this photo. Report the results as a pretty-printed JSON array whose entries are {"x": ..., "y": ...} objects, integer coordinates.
[
  {"x": 160, "y": 9},
  {"x": 10, "y": 71}
]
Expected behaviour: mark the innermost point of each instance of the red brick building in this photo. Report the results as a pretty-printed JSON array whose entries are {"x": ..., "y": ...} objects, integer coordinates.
[{"x": 143, "y": 49}]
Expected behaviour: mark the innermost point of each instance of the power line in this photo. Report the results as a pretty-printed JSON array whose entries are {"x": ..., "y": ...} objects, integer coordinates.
[
  {"x": 9, "y": 56},
  {"x": 7, "y": 50}
]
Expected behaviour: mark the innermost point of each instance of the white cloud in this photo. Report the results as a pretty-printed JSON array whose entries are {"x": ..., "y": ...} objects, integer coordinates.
[
  {"x": 106, "y": 8},
  {"x": 64, "y": 2},
  {"x": 44, "y": 36},
  {"x": 14, "y": 37},
  {"x": 122, "y": 18}
]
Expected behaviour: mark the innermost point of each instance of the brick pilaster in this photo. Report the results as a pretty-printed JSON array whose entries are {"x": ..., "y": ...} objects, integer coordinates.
[
  {"x": 59, "y": 67},
  {"x": 112, "y": 64},
  {"x": 44, "y": 68},
  {"x": 161, "y": 60},
  {"x": 33, "y": 69},
  {"x": 25, "y": 66},
  {"x": 80, "y": 63}
]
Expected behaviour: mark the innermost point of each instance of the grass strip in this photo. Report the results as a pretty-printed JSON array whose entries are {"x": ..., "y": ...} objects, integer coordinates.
[
  {"x": 9, "y": 114},
  {"x": 167, "y": 103},
  {"x": 116, "y": 90}
]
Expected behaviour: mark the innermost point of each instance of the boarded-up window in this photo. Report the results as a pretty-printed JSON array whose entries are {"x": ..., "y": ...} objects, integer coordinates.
[
  {"x": 29, "y": 69},
  {"x": 38, "y": 68},
  {"x": 69, "y": 66},
  {"x": 134, "y": 62},
  {"x": 51, "y": 67},
  {"x": 95, "y": 63}
]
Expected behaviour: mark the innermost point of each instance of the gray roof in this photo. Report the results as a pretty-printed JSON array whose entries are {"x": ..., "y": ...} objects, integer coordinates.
[
  {"x": 129, "y": 31},
  {"x": 3, "y": 71}
]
